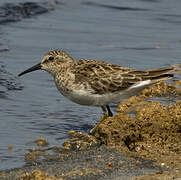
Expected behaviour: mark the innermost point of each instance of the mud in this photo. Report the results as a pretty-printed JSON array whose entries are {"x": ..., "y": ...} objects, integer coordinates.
[{"x": 99, "y": 162}]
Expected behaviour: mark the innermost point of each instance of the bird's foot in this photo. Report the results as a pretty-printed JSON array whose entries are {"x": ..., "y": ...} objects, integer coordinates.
[{"x": 93, "y": 130}]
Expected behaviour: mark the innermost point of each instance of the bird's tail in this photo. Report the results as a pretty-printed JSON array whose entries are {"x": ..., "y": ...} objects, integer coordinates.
[{"x": 160, "y": 74}]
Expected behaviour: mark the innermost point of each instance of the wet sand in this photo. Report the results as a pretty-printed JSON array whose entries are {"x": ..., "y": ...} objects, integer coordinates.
[{"x": 142, "y": 141}]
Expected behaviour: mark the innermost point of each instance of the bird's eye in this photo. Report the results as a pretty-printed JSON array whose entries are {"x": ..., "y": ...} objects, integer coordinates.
[{"x": 51, "y": 58}]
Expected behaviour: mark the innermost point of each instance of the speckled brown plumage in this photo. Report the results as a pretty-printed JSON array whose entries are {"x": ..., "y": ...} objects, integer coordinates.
[{"x": 108, "y": 78}]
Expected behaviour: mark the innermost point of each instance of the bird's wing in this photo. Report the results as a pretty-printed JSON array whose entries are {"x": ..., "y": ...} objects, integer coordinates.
[{"x": 101, "y": 77}]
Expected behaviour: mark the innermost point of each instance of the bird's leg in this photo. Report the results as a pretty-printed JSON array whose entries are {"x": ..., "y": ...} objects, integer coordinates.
[
  {"x": 104, "y": 110},
  {"x": 107, "y": 113}
]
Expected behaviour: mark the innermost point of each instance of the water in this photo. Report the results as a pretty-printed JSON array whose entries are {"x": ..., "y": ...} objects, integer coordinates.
[{"x": 136, "y": 33}]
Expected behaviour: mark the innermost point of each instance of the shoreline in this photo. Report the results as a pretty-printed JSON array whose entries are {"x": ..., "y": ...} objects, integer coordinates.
[{"x": 145, "y": 145}]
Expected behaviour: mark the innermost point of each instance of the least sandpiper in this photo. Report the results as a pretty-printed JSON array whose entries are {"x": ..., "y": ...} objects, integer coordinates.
[{"x": 97, "y": 83}]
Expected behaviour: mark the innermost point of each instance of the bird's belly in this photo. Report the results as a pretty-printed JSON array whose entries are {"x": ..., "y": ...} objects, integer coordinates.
[
  {"x": 89, "y": 99},
  {"x": 84, "y": 97}
]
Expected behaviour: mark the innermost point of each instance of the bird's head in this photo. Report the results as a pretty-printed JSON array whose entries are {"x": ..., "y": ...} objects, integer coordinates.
[{"x": 52, "y": 62}]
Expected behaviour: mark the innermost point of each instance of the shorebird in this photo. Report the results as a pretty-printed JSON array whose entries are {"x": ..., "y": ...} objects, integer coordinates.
[{"x": 97, "y": 83}]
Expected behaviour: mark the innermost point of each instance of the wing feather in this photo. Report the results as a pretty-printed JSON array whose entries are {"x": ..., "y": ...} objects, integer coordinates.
[{"x": 102, "y": 77}]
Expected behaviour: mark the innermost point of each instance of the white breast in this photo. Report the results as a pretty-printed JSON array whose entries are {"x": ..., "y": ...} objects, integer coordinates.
[{"x": 84, "y": 97}]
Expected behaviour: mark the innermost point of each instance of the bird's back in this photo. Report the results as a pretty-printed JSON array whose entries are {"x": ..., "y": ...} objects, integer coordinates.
[{"x": 101, "y": 77}]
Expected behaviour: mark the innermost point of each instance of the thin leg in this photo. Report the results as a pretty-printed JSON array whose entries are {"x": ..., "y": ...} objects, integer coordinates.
[
  {"x": 104, "y": 109},
  {"x": 109, "y": 111}
]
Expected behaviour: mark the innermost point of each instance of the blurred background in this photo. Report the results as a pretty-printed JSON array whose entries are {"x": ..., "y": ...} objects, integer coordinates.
[{"x": 141, "y": 34}]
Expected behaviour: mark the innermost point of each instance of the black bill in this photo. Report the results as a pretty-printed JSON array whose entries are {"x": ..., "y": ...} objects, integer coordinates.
[{"x": 33, "y": 68}]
